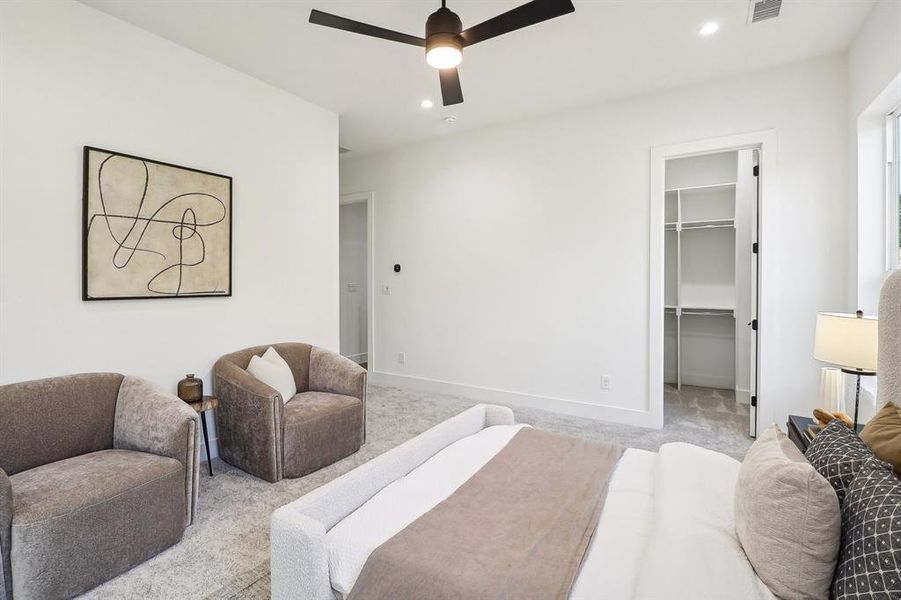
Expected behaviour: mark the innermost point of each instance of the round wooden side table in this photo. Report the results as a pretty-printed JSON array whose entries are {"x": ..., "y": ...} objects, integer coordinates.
[{"x": 206, "y": 403}]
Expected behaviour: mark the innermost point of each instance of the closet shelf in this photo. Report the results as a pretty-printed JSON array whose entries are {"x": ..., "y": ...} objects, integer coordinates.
[
  {"x": 716, "y": 311},
  {"x": 711, "y": 186}
]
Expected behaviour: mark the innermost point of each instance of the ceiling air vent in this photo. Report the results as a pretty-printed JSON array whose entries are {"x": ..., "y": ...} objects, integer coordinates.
[
  {"x": 761, "y": 10},
  {"x": 343, "y": 150}
]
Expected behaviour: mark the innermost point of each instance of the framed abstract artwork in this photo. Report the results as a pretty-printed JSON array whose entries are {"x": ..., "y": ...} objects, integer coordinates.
[{"x": 153, "y": 229}]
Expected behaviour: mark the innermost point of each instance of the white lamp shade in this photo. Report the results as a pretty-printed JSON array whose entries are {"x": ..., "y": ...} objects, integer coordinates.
[{"x": 848, "y": 341}]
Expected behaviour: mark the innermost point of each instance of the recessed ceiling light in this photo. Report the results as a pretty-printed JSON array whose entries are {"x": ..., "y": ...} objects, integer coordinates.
[
  {"x": 426, "y": 103},
  {"x": 709, "y": 28}
]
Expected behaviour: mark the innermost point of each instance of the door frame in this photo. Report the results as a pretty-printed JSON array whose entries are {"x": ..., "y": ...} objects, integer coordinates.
[
  {"x": 367, "y": 198},
  {"x": 766, "y": 142}
]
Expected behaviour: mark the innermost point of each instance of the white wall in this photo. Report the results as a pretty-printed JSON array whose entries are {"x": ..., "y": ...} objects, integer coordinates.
[
  {"x": 875, "y": 55},
  {"x": 72, "y": 76},
  {"x": 707, "y": 169},
  {"x": 874, "y": 90},
  {"x": 525, "y": 245},
  {"x": 874, "y": 79},
  {"x": 354, "y": 284}
]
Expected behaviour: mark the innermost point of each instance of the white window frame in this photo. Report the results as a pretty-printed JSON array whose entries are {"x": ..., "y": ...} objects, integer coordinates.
[{"x": 892, "y": 174}]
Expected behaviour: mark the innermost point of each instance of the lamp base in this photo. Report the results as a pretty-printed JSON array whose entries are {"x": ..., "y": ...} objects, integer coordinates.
[{"x": 859, "y": 374}]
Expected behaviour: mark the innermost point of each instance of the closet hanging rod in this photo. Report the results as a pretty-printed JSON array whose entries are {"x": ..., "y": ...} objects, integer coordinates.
[{"x": 686, "y": 226}]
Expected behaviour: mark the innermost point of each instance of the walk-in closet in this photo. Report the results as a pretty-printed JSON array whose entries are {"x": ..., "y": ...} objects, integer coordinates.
[{"x": 709, "y": 280}]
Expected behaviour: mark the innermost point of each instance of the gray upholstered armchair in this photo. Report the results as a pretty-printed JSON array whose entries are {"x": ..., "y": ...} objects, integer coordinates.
[
  {"x": 260, "y": 433},
  {"x": 98, "y": 473}
]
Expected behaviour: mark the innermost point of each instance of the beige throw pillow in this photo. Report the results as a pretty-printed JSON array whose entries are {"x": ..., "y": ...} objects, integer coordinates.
[
  {"x": 274, "y": 371},
  {"x": 787, "y": 518}
]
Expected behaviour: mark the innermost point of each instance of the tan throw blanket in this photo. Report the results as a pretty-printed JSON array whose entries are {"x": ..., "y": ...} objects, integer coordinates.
[{"x": 518, "y": 529}]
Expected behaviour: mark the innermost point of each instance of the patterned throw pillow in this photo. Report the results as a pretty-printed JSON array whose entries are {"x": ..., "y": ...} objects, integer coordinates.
[
  {"x": 837, "y": 453},
  {"x": 869, "y": 562}
]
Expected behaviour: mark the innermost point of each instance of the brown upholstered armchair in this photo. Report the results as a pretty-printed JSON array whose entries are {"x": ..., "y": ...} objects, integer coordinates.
[
  {"x": 98, "y": 473},
  {"x": 260, "y": 433}
]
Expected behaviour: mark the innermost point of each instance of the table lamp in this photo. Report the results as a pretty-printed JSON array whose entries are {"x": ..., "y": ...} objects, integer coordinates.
[{"x": 849, "y": 342}]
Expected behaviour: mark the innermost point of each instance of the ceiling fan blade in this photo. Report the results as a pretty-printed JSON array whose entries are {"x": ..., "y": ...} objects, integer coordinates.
[
  {"x": 317, "y": 17},
  {"x": 521, "y": 16},
  {"x": 451, "y": 92}
]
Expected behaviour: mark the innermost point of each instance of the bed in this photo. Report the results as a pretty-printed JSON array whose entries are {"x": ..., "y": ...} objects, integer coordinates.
[
  {"x": 665, "y": 527},
  {"x": 681, "y": 498}
]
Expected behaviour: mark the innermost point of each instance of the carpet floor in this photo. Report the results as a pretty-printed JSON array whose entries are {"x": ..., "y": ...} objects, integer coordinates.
[{"x": 225, "y": 553}]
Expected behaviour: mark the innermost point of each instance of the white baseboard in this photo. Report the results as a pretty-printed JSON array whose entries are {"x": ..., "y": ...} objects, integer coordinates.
[
  {"x": 709, "y": 381},
  {"x": 577, "y": 408},
  {"x": 743, "y": 396}
]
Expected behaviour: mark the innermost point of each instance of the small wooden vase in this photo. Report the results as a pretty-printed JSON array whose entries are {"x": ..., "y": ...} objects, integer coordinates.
[{"x": 190, "y": 389}]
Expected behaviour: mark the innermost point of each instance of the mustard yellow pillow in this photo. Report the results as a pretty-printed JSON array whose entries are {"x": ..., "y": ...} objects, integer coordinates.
[{"x": 883, "y": 435}]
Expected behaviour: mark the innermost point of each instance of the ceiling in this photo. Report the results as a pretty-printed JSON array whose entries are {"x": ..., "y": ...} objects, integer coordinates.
[{"x": 606, "y": 49}]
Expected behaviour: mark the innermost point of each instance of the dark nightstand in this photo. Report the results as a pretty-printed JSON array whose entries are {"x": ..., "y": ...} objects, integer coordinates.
[{"x": 798, "y": 433}]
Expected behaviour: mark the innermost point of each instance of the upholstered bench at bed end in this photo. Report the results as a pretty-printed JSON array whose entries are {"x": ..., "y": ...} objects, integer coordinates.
[{"x": 299, "y": 557}]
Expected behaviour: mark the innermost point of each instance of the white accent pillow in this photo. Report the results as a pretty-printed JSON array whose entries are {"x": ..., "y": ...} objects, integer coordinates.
[
  {"x": 275, "y": 374},
  {"x": 275, "y": 358}
]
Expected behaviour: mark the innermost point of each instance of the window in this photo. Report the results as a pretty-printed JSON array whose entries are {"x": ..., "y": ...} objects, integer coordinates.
[
  {"x": 896, "y": 192},
  {"x": 893, "y": 189}
]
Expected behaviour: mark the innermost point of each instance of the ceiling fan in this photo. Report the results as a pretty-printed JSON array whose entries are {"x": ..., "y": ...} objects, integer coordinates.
[{"x": 445, "y": 38}]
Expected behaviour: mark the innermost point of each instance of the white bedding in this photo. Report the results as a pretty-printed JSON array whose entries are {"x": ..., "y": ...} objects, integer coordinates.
[
  {"x": 693, "y": 550},
  {"x": 666, "y": 531},
  {"x": 614, "y": 555}
]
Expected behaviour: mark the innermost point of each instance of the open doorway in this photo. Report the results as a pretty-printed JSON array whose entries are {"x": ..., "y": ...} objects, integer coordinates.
[
  {"x": 355, "y": 277},
  {"x": 706, "y": 203},
  {"x": 711, "y": 207}
]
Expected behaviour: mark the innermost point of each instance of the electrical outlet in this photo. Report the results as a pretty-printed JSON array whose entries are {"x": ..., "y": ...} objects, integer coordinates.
[
  {"x": 386, "y": 290},
  {"x": 401, "y": 358},
  {"x": 605, "y": 382}
]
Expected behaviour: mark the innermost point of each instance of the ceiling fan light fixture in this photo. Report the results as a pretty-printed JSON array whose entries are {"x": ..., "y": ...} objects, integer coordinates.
[
  {"x": 444, "y": 56},
  {"x": 445, "y": 38},
  {"x": 443, "y": 44}
]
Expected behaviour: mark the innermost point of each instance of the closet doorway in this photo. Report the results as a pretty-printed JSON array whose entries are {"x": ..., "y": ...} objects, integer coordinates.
[
  {"x": 710, "y": 206},
  {"x": 706, "y": 275},
  {"x": 355, "y": 277}
]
